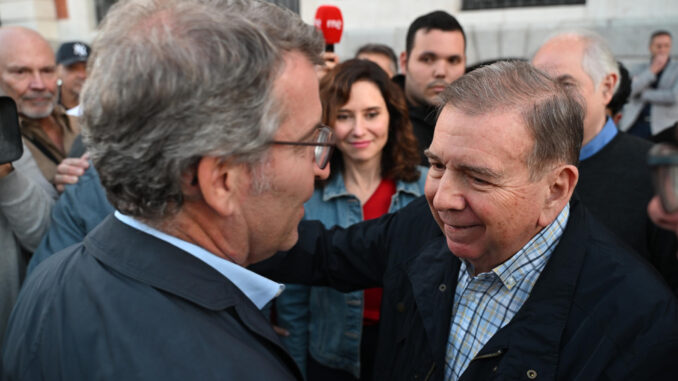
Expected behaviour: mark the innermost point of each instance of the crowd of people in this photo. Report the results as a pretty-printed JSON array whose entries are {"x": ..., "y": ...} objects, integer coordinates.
[{"x": 206, "y": 194}]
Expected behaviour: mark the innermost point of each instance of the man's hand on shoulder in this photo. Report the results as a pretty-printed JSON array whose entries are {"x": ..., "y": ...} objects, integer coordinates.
[
  {"x": 70, "y": 170},
  {"x": 5, "y": 169}
]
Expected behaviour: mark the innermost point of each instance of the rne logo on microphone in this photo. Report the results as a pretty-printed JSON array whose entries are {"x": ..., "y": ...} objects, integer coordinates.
[{"x": 336, "y": 24}]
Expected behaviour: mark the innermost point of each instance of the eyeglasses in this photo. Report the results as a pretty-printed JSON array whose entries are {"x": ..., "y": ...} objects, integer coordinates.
[
  {"x": 663, "y": 159},
  {"x": 323, "y": 142}
]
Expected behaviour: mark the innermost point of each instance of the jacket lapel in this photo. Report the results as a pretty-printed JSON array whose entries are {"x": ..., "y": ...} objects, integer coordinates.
[
  {"x": 157, "y": 263},
  {"x": 433, "y": 276},
  {"x": 533, "y": 337}
]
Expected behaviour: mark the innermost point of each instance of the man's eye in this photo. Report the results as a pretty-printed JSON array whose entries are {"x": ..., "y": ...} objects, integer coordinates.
[
  {"x": 426, "y": 59},
  {"x": 437, "y": 166},
  {"x": 479, "y": 181}
]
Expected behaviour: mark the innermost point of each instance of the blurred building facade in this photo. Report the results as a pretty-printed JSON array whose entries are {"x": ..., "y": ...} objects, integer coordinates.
[{"x": 495, "y": 28}]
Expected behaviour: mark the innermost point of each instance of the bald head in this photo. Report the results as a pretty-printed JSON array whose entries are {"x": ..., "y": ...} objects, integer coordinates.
[
  {"x": 28, "y": 71},
  {"x": 584, "y": 61}
]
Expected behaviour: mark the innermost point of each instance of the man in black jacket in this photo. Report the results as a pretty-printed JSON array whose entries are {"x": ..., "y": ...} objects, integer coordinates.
[
  {"x": 203, "y": 123},
  {"x": 434, "y": 57},
  {"x": 614, "y": 178},
  {"x": 516, "y": 281}
]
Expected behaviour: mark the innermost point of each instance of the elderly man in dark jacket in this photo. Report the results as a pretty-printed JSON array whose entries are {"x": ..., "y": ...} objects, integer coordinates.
[
  {"x": 519, "y": 281},
  {"x": 203, "y": 122}
]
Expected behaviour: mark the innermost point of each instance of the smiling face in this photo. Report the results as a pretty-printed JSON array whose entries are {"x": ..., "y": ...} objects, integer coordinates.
[
  {"x": 436, "y": 60},
  {"x": 479, "y": 188},
  {"x": 361, "y": 125}
]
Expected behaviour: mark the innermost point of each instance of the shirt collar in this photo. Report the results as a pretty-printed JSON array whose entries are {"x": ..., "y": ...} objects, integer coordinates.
[
  {"x": 258, "y": 289},
  {"x": 531, "y": 257},
  {"x": 335, "y": 187},
  {"x": 599, "y": 141}
]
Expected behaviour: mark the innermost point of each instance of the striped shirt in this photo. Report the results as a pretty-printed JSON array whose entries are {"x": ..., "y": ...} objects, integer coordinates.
[{"x": 485, "y": 303}]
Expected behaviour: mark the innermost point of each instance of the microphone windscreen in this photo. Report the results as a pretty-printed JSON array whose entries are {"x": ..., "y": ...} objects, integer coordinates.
[{"x": 329, "y": 20}]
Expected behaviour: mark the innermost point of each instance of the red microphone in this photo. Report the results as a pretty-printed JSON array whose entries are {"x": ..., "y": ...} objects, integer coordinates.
[{"x": 328, "y": 19}]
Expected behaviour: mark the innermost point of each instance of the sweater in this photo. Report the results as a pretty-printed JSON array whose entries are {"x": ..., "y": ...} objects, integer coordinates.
[{"x": 616, "y": 186}]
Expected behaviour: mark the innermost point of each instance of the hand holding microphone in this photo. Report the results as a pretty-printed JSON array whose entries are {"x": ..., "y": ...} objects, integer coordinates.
[{"x": 330, "y": 22}]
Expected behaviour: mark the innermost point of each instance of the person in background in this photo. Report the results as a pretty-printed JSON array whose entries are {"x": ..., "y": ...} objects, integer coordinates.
[
  {"x": 28, "y": 75},
  {"x": 380, "y": 54},
  {"x": 614, "y": 180},
  {"x": 434, "y": 57},
  {"x": 24, "y": 219},
  {"x": 653, "y": 106},
  {"x": 71, "y": 61},
  {"x": 203, "y": 121},
  {"x": 621, "y": 95},
  {"x": 333, "y": 335}
]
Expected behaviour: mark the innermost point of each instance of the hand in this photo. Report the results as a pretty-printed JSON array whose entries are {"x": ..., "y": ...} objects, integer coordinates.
[
  {"x": 331, "y": 60},
  {"x": 660, "y": 217},
  {"x": 659, "y": 62},
  {"x": 281, "y": 331},
  {"x": 69, "y": 170},
  {"x": 5, "y": 169}
]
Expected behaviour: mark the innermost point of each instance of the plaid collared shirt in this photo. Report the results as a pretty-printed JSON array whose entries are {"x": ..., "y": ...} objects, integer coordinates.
[{"x": 485, "y": 303}]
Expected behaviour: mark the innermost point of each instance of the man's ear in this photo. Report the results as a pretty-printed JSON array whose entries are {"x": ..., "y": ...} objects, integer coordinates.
[
  {"x": 561, "y": 183},
  {"x": 607, "y": 86},
  {"x": 220, "y": 183},
  {"x": 403, "y": 63}
]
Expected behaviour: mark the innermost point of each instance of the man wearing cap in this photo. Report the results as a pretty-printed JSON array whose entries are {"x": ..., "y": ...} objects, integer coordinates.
[
  {"x": 71, "y": 70},
  {"x": 28, "y": 75}
]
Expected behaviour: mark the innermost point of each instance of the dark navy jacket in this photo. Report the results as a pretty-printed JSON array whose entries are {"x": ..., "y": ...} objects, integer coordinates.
[
  {"x": 124, "y": 305},
  {"x": 597, "y": 312}
]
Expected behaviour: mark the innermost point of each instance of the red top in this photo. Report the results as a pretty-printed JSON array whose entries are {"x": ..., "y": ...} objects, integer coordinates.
[{"x": 375, "y": 207}]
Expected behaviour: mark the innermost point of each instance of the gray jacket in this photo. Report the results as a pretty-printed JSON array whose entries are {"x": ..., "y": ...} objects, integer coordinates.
[
  {"x": 664, "y": 98},
  {"x": 24, "y": 218}
]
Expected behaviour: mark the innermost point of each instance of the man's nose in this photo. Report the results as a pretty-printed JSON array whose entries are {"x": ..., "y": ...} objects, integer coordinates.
[
  {"x": 440, "y": 69},
  {"x": 38, "y": 81},
  {"x": 449, "y": 195}
]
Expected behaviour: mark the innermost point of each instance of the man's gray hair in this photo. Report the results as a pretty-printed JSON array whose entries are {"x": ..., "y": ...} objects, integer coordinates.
[
  {"x": 597, "y": 60},
  {"x": 172, "y": 81},
  {"x": 553, "y": 114}
]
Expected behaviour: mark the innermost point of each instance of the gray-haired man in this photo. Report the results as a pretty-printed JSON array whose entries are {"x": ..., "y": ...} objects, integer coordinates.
[
  {"x": 502, "y": 275},
  {"x": 614, "y": 183},
  {"x": 202, "y": 120}
]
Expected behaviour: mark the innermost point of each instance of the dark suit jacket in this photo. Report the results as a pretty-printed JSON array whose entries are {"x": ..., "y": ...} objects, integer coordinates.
[
  {"x": 124, "y": 305},
  {"x": 597, "y": 312}
]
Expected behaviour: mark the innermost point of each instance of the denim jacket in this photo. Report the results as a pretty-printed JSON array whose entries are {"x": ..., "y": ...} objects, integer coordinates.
[{"x": 322, "y": 321}]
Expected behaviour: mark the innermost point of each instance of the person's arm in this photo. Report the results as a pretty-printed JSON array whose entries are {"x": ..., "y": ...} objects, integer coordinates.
[
  {"x": 79, "y": 209},
  {"x": 354, "y": 258},
  {"x": 292, "y": 308},
  {"x": 641, "y": 82},
  {"x": 25, "y": 205},
  {"x": 665, "y": 96}
]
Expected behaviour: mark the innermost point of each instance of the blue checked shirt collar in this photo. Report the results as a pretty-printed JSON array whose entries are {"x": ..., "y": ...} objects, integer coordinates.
[{"x": 487, "y": 302}]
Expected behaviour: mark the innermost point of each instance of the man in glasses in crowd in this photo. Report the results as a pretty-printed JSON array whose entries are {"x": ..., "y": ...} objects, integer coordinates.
[{"x": 203, "y": 123}]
